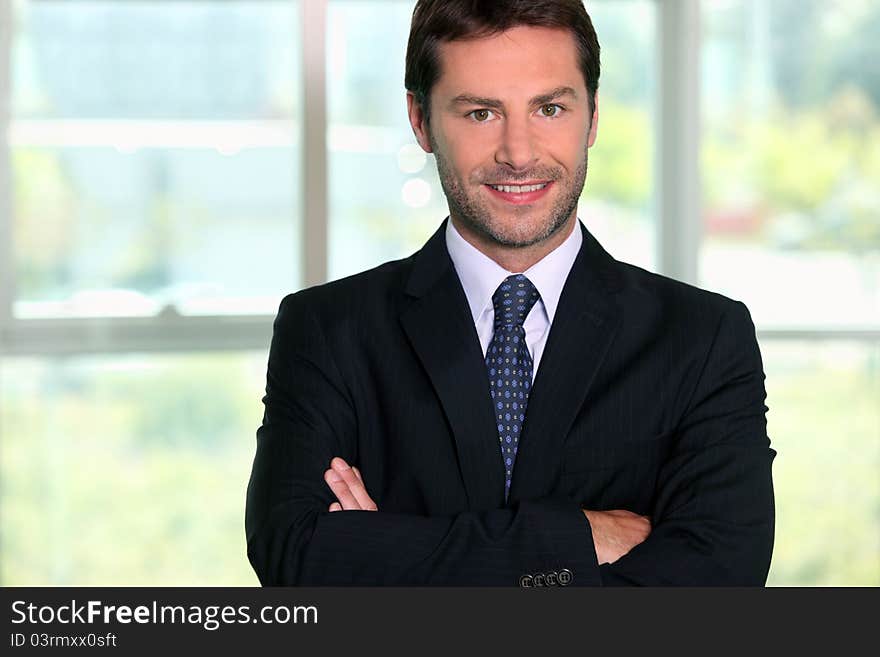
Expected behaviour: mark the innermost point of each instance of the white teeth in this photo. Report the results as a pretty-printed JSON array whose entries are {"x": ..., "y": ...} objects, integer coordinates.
[{"x": 516, "y": 189}]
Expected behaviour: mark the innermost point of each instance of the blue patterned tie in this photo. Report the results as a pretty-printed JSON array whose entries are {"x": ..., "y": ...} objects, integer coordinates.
[{"x": 509, "y": 365}]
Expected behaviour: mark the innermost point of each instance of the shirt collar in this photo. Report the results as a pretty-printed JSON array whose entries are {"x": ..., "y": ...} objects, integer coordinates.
[{"x": 480, "y": 275}]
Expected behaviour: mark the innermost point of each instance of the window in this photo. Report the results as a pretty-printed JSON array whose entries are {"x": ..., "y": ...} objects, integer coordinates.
[
  {"x": 154, "y": 158},
  {"x": 791, "y": 223},
  {"x": 163, "y": 185},
  {"x": 152, "y": 172},
  {"x": 791, "y": 160}
]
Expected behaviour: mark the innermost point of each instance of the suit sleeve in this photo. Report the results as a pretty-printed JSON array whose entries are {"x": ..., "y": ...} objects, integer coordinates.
[
  {"x": 713, "y": 520},
  {"x": 293, "y": 540}
]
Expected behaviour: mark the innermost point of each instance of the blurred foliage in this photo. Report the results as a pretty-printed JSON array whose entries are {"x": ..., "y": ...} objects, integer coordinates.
[
  {"x": 44, "y": 226},
  {"x": 792, "y": 142},
  {"x": 824, "y": 422},
  {"x": 621, "y": 170},
  {"x": 819, "y": 46},
  {"x": 790, "y": 160},
  {"x": 127, "y": 470},
  {"x": 820, "y": 167}
]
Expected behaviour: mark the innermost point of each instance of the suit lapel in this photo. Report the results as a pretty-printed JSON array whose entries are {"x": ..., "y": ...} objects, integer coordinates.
[
  {"x": 441, "y": 330},
  {"x": 586, "y": 322}
]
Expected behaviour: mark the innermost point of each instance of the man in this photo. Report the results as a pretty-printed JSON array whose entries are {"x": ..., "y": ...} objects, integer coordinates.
[{"x": 510, "y": 405}]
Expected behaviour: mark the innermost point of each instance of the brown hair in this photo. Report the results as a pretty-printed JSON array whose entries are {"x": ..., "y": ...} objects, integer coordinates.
[{"x": 436, "y": 21}]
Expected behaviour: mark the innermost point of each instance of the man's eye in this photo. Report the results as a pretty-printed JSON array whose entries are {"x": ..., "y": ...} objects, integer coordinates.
[
  {"x": 481, "y": 115},
  {"x": 555, "y": 110}
]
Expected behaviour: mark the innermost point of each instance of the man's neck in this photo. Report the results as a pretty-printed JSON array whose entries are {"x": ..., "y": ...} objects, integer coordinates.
[{"x": 515, "y": 259}]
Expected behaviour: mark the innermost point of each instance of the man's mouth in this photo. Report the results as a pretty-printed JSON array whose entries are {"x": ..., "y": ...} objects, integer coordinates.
[
  {"x": 519, "y": 194},
  {"x": 518, "y": 189}
]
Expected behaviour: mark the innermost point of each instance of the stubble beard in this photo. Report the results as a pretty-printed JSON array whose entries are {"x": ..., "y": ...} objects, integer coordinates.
[{"x": 530, "y": 227}]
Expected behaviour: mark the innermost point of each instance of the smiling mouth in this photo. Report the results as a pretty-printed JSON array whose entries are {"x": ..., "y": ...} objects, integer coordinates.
[
  {"x": 518, "y": 189},
  {"x": 522, "y": 195}
]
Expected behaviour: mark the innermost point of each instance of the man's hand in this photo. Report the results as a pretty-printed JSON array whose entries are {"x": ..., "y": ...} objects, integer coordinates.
[
  {"x": 348, "y": 486},
  {"x": 616, "y": 532}
]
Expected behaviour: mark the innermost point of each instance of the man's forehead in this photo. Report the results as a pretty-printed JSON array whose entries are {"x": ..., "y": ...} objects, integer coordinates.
[{"x": 525, "y": 59}]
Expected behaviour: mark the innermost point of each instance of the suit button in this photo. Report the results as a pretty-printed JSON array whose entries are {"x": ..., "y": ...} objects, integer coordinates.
[
  {"x": 539, "y": 580},
  {"x": 526, "y": 581},
  {"x": 565, "y": 577},
  {"x": 552, "y": 579}
]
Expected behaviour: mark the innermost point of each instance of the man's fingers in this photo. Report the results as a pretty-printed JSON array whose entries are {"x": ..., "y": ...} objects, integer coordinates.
[
  {"x": 348, "y": 487},
  {"x": 336, "y": 506},
  {"x": 341, "y": 490},
  {"x": 355, "y": 484},
  {"x": 356, "y": 496}
]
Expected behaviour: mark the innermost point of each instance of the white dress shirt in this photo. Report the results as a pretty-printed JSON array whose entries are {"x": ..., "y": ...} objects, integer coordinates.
[{"x": 480, "y": 276}]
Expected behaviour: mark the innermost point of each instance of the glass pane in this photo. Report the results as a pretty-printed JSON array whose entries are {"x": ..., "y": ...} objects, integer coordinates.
[
  {"x": 616, "y": 205},
  {"x": 155, "y": 157},
  {"x": 791, "y": 159},
  {"x": 385, "y": 195},
  {"x": 128, "y": 469},
  {"x": 824, "y": 422}
]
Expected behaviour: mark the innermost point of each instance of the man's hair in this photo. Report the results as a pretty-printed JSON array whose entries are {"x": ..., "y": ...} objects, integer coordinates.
[{"x": 437, "y": 21}]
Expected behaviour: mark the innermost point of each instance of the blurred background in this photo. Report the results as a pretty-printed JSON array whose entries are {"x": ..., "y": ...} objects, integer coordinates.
[{"x": 170, "y": 169}]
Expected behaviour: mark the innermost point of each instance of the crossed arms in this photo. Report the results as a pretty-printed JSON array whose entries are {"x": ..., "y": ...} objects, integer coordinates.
[
  {"x": 614, "y": 532},
  {"x": 712, "y": 522}
]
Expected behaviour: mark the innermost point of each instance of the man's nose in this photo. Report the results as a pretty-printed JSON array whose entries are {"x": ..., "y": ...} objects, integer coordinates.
[{"x": 517, "y": 146}]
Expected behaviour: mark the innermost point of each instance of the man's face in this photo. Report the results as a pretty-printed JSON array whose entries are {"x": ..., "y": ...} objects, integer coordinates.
[{"x": 510, "y": 110}]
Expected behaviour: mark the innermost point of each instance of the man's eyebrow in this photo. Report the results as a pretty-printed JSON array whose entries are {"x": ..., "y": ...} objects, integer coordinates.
[{"x": 494, "y": 103}]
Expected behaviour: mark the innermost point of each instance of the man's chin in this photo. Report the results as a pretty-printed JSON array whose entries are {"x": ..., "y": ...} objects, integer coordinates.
[{"x": 517, "y": 238}]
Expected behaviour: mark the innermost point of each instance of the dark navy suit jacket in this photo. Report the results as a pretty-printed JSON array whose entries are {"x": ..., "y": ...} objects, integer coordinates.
[{"x": 649, "y": 397}]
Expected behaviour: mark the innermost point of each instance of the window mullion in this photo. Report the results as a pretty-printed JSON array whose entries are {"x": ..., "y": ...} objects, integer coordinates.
[
  {"x": 314, "y": 139},
  {"x": 856, "y": 333},
  {"x": 60, "y": 337},
  {"x": 678, "y": 140},
  {"x": 7, "y": 282}
]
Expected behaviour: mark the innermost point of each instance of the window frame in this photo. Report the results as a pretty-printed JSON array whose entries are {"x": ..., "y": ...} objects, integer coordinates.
[
  {"x": 677, "y": 206},
  {"x": 6, "y": 272}
]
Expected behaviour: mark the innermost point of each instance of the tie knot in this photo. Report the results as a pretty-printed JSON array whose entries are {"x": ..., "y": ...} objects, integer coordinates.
[{"x": 513, "y": 300}]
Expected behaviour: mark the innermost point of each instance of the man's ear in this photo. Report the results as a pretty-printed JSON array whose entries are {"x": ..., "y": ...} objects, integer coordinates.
[
  {"x": 418, "y": 122},
  {"x": 594, "y": 122}
]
